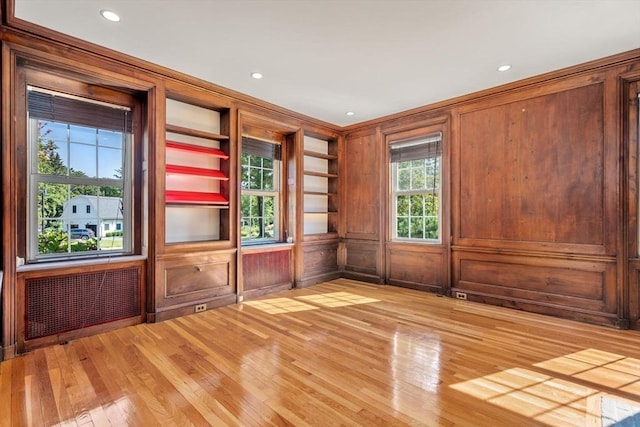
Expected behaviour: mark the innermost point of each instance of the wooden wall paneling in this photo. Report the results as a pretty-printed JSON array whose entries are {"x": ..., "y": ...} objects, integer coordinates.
[
  {"x": 634, "y": 294},
  {"x": 417, "y": 266},
  {"x": 266, "y": 270},
  {"x": 156, "y": 107},
  {"x": 361, "y": 185},
  {"x": 320, "y": 263},
  {"x": 361, "y": 260},
  {"x": 8, "y": 295},
  {"x": 537, "y": 170},
  {"x": 631, "y": 139},
  {"x": 581, "y": 289}
]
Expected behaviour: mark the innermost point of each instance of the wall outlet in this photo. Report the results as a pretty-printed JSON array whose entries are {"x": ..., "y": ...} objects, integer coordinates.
[
  {"x": 461, "y": 295},
  {"x": 200, "y": 307}
]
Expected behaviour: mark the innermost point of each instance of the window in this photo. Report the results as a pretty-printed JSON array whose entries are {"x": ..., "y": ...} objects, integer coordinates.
[
  {"x": 80, "y": 154},
  {"x": 260, "y": 199},
  {"x": 106, "y": 227},
  {"x": 415, "y": 189}
]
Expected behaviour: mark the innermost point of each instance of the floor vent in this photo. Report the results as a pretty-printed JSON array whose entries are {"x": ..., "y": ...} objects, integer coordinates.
[{"x": 65, "y": 303}]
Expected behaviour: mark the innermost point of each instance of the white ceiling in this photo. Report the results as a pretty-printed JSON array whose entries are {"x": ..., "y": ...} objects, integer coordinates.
[{"x": 374, "y": 57}]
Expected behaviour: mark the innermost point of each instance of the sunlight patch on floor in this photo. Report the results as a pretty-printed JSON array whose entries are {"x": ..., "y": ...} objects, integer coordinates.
[
  {"x": 291, "y": 305},
  {"x": 549, "y": 399},
  {"x": 337, "y": 299},
  {"x": 280, "y": 305}
]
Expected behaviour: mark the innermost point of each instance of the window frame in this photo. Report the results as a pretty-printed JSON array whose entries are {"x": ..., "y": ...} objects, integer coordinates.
[
  {"x": 276, "y": 192},
  {"x": 33, "y": 75},
  {"x": 412, "y": 141}
]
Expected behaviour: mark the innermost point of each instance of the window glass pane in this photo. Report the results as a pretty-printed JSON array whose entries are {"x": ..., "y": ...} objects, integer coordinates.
[
  {"x": 402, "y": 226},
  {"x": 82, "y": 160},
  {"x": 417, "y": 228},
  {"x": 107, "y": 138},
  {"x": 255, "y": 178},
  {"x": 54, "y": 130},
  {"x": 431, "y": 227},
  {"x": 402, "y": 206},
  {"x": 82, "y": 134},
  {"x": 267, "y": 179},
  {"x": 417, "y": 175},
  {"x": 110, "y": 165},
  {"x": 255, "y": 161},
  {"x": 417, "y": 205},
  {"x": 52, "y": 160},
  {"x": 404, "y": 177}
]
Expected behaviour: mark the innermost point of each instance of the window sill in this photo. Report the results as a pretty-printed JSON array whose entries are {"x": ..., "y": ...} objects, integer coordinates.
[
  {"x": 266, "y": 247},
  {"x": 44, "y": 265}
]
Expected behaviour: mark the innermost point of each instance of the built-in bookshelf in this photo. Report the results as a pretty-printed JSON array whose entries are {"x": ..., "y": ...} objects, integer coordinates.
[
  {"x": 320, "y": 188},
  {"x": 196, "y": 197}
]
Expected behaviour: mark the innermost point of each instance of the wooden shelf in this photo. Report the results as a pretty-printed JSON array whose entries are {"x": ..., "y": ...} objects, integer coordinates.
[
  {"x": 194, "y": 198},
  {"x": 188, "y": 170},
  {"x": 194, "y": 132},
  {"x": 321, "y": 213},
  {"x": 318, "y": 193},
  {"x": 215, "y": 152},
  {"x": 320, "y": 174},
  {"x": 320, "y": 155}
]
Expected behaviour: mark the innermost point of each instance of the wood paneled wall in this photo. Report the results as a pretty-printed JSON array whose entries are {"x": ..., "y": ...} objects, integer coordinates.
[{"x": 541, "y": 197}]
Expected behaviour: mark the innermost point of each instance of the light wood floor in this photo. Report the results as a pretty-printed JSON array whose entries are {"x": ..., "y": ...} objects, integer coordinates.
[{"x": 339, "y": 353}]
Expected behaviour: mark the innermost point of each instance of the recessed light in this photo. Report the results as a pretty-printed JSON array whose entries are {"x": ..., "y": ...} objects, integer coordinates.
[
  {"x": 109, "y": 15},
  {"x": 256, "y": 75},
  {"x": 504, "y": 67},
  {"x": 349, "y": 113}
]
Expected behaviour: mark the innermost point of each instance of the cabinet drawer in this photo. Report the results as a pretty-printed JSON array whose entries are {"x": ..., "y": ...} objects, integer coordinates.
[
  {"x": 198, "y": 277},
  {"x": 193, "y": 278}
]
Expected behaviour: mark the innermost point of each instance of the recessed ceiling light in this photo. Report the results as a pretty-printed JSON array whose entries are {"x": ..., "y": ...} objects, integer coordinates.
[
  {"x": 256, "y": 75},
  {"x": 349, "y": 113},
  {"x": 504, "y": 67},
  {"x": 109, "y": 15}
]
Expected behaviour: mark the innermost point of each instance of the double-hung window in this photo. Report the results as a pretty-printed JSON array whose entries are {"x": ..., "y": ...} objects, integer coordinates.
[
  {"x": 260, "y": 199},
  {"x": 415, "y": 189},
  {"x": 79, "y": 177}
]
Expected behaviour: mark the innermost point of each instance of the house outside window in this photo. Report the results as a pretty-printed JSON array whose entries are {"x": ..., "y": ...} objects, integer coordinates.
[
  {"x": 415, "y": 189},
  {"x": 80, "y": 154},
  {"x": 260, "y": 198}
]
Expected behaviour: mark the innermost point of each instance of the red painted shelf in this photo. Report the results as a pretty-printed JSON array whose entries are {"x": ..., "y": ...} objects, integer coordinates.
[
  {"x": 197, "y": 149},
  {"x": 195, "y": 198},
  {"x": 188, "y": 170}
]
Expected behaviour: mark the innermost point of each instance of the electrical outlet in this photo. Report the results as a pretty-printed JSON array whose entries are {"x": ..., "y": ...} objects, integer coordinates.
[
  {"x": 461, "y": 295},
  {"x": 201, "y": 307}
]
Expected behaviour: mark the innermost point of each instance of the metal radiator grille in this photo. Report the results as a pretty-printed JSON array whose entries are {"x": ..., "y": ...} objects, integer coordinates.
[{"x": 65, "y": 303}]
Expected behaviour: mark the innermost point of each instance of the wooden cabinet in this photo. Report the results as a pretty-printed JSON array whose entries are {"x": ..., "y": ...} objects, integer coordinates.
[{"x": 320, "y": 188}]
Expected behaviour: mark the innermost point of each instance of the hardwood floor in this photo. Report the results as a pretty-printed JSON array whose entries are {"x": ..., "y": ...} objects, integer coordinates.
[{"x": 339, "y": 353}]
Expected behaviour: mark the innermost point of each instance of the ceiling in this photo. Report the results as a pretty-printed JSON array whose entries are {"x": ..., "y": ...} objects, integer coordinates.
[{"x": 323, "y": 58}]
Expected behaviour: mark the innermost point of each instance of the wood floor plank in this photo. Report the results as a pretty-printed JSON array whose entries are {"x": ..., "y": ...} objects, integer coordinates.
[{"x": 342, "y": 353}]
